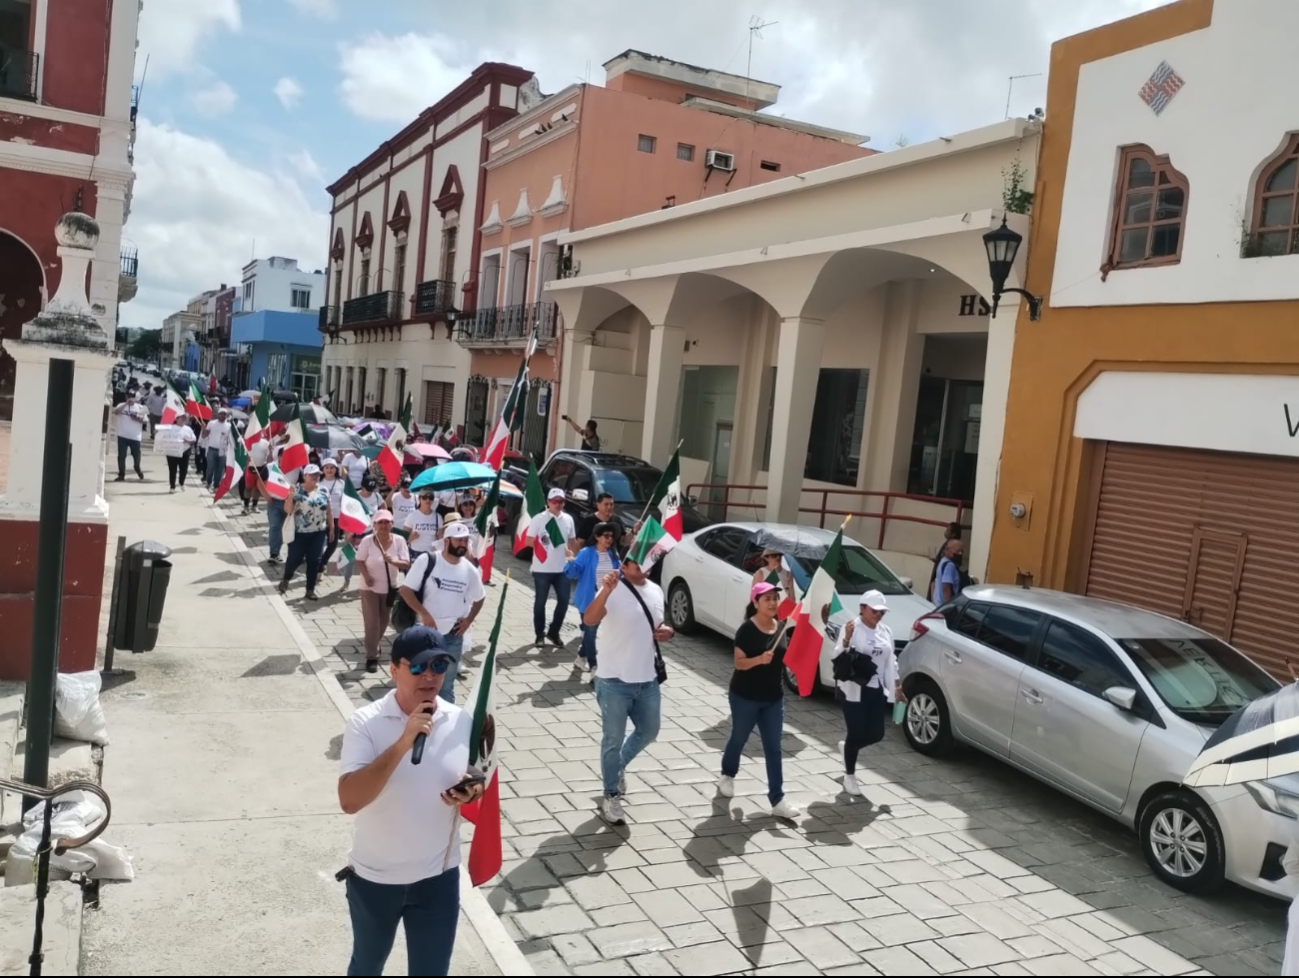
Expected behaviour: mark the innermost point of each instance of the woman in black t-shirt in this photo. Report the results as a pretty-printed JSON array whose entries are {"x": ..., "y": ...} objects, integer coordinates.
[{"x": 758, "y": 697}]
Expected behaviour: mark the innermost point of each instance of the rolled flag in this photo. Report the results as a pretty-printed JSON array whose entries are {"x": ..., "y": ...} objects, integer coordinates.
[
  {"x": 390, "y": 456},
  {"x": 511, "y": 419},
  {"x": 353, "y": 516},
  {"x": 651, "y": 543},
  {"x": 820, "y": 602},
  {"x": 486, "y": 853},
  {"x": 259, "y": 425},
  {"x": 346, "y": 556},
  {"x": 485, "y": 524},
  {"x": 667, "y": 497},
  {"x": 407, "y": 419},
  {"x": 196, "y": 404},
  {"x": 534, "y": 503},
  {"x": 236, "y": 463},
  {"x": 276, "y": 484},
  {"x": 295, "y": 454}
]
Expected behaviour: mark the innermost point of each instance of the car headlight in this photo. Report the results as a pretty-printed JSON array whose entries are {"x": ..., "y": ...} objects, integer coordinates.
[{"x": 1273, "y": 798}]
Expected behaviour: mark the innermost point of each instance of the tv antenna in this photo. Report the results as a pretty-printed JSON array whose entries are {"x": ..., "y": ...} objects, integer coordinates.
[
  {"x": 756, "y": 25},
  {"x": 1010, "y": 87}
]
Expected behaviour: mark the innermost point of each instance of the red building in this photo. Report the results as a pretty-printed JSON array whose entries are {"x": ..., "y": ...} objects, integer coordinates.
[{"x": 67, "y": 128}]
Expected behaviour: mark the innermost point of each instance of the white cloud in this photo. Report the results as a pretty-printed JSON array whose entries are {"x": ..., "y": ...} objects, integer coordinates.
[
  {"x": 308, "y": 168},
  {"x": 327, "y": 9},
  {"x": 393, "y": 79},
  {"x": 172, "y": 30},
  {"x": 289, "y": 92},
  {"x": 217, "y": 99},
  {"x": 197, "y": 213}
]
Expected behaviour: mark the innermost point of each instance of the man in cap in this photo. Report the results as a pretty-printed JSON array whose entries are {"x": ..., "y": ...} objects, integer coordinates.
[
  {"x": 218, "y": 442},
  {"x": 548, "y": 573},
  {"x": 865, "y": 697},
  {"x": 404, "y": 866},
  {"x": 446, "y": 592}
]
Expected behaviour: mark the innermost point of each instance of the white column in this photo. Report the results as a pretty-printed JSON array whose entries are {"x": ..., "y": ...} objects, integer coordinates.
[
  {"x": 662, "y": 388},
  {"x": 992, "y": 428},
  {"x": 798, "y": 367},
  {"x": 886, "y": 450}
]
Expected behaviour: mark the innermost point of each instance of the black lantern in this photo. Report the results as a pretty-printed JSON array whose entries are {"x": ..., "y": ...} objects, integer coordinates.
[{"x": 1002, "y": 246}]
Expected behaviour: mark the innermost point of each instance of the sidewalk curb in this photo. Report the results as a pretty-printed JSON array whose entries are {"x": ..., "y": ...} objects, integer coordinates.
[{"x": 491, "y": 931}]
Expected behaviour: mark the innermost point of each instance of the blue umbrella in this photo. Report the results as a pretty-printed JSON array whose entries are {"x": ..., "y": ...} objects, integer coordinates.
[{"x": 454, "y": 475}]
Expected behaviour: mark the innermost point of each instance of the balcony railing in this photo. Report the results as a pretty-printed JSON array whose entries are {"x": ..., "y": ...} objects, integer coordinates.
[
  {"x": 437, "y": 295},
  {"x": 381, "y": 307},
  {"x": 130, "y": 263},
  {"x": 328, "y": 318},
  {"x": 508, "y": 324},
  {"x": 18, "y": 73}
]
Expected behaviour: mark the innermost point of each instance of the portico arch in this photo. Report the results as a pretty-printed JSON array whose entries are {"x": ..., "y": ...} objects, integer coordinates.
[{"x": 22, "y": 296}]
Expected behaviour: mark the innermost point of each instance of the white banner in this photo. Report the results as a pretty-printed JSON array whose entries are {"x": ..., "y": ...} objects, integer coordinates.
[{"x": 168, "y": 440}]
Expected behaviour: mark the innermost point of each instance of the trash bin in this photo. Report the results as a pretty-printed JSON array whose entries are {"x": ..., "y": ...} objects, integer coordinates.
[{"x": 142, "y": 595}]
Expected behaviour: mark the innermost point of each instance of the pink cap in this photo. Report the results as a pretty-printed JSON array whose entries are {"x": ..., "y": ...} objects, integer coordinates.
[
  {"x": 383, "y": 516},
  {"x": 760, "y": 589}
]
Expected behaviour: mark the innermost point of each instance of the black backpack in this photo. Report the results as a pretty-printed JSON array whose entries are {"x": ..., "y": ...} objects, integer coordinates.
[{"x": 403, "y": 615}]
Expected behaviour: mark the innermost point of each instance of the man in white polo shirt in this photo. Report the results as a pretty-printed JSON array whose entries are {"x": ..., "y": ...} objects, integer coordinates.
[
  {"x": 549, "y": 573},
  {"x": 405, "y": 861}
]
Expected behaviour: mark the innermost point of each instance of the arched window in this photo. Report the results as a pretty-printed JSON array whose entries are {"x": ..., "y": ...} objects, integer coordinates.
[
  {"x": 1276, "y": 204},
  {"x": 1149, "y": 210}
]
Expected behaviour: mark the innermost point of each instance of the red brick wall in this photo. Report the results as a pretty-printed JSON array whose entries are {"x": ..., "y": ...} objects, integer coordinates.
[{"x": 76, "y": 54}]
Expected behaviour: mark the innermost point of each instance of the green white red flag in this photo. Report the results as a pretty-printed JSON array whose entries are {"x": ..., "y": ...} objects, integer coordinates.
[
  {"x": 652, "y": 542},
  {"x": 485, "y": 523},
  {"x": 174, "y": 407},
  {"x": 534, "y": 503},
  {"x": 196, "y": 404},
  {"x": 819, "y": 604},
  {"x": 667, "y": 497},
  {"x": 276, "y": 484},
  {"x": 353, "y": 515},
  {"x": 407, "y": 419},
  {"x": 236, "y": 463},
  {"x": 511, "y": 419},
  {"x": 259, "y": 425},
  {"x": 486, "y": 850},
  {"x": 390, "y": 456},
  {"x": 295, "y": 454}
]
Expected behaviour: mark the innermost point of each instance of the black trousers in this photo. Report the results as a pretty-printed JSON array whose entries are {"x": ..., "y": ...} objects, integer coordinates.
[
  {"x": 176, "y": 469},
  {"x": 864, "y": 722}
]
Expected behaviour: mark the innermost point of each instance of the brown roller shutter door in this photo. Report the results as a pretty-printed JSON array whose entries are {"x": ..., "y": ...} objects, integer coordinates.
[{"x": 1210, "y": 537}]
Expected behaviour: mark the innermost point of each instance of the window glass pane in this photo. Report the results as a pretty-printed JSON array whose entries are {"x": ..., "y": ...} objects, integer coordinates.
[
  {"x": 1132, "y": 245},
  {"x": 834, "y": 445},
  {"x": 646, "y": 143},
  {"x": 971, "y": 618},
  {"x": 1138, "y": 208},
  {"x": 1140, "y": 174},
  {"x": 1170, "y": 204},
  {"x": 1081, "y": 659},
  {"x": 1009, "y": 630},
  {"x": 1274, "y": 243},
  {"x": 727, "y": 544},
  {"x": 1284, "y": 177},
  {"x": 924, "y": 439},
  {"x": 1163, "y": 240},
  {"x": 1202, "y": 679},
  {"x": 1277, "y": 211},
  {"x": 685, "y": 152}
]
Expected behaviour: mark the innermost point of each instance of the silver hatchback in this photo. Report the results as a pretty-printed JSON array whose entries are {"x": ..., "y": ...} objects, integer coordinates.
[{"x": 1110, "y": 704}]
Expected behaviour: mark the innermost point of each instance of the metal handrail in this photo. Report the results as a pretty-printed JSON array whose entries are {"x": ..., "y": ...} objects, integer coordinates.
[{"x": 884, "y": 516}]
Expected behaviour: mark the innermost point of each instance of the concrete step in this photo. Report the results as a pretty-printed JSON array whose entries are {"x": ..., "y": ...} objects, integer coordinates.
[
  {"x": 11, "y": 711},
  {"x": 62, "y": 937}
]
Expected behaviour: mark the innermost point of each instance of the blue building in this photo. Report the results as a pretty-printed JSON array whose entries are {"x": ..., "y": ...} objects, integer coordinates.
[{"x": 284, "y": 349}]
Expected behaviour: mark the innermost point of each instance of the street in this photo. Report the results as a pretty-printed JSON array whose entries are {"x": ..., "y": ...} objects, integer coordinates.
[{"x": 960, "y": 866}]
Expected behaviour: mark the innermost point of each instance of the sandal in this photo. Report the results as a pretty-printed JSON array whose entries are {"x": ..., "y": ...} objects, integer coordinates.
[{"x": 371, "y": 665}]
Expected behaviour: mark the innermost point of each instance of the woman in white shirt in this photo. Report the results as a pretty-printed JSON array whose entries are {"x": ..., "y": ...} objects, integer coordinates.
[
  {"x": 866, "y": 673},
  {"x": 422, "y": 525},
  {"x": 332, "y": 483},
  {"x": 402, "y": 503}
]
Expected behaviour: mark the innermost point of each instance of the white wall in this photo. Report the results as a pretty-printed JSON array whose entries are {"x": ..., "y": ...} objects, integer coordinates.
[
  {"x": 1234, "y": 112},
  {"x": 462, "y": 152},
  {"x": 275, "y": 285}
]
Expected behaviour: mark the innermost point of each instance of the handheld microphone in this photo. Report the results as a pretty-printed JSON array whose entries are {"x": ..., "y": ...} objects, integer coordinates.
[{"x": 417, "y": 751}]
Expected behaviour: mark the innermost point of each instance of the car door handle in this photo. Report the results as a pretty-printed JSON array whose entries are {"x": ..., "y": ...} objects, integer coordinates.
[
  {"x": 1033, "y": 696},
  {"x": 952, "y": 656}
]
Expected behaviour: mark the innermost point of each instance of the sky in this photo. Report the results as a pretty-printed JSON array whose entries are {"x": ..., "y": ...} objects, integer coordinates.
[{"x": 250, "y": 108}]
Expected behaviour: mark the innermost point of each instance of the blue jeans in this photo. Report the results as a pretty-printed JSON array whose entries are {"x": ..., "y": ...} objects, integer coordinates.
[
  {"x": 543, "y": 583},
  {"x": 216, "y": 467},
  {"x": 455, "y": 645},
  {"x": 306, "y": 547},
  {"x": 588, "y": 642},
  {"x": 429, "y": 910},
  {"x": 275, "y": 516},
  {"x": 620, "y": 702},
  {"x": 769, "y": 718},
  {"x": 125, "y": 445}
]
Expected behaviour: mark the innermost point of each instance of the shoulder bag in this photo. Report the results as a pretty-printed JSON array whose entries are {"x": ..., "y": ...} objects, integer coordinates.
[
  {"x": 660, "y": 667},
  {"x": 403, "y": 615},
  {"x": 394, "y": 594}
]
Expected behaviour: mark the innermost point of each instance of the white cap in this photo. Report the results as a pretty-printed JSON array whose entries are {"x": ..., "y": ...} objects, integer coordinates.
[
  {"x": 556, "y": 493},
  {"x": 329, "y": 460},
  {"x": 875, "y": 601},
  {"x": 311, "y": 469},
  {"x": 456, "y": 531}
]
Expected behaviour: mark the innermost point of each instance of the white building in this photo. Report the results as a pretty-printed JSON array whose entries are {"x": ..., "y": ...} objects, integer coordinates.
[{"x": 279, "y": 285}]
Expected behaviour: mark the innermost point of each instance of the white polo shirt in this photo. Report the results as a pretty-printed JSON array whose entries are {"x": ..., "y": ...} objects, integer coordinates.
[
  {"x": 625, "y": 642},
  {"x": 556, "y": 554},
  {"x": 403, "y": 835}
]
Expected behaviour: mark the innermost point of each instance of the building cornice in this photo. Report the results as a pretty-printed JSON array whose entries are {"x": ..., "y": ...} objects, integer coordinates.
[
  {"x": 37, "y": 110},
  {"x": 560, "y": 130},
  {"x": 64, "y": 163},
  {"x": 538, "y": 111}
]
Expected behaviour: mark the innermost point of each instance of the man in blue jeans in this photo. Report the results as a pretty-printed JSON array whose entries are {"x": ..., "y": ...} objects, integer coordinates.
[
  {"x": 447, "y": 596},
  {"x": 404, "y": 867},
  {"x": 552, "y": 547},
  {"x": 629, "y": 610}
]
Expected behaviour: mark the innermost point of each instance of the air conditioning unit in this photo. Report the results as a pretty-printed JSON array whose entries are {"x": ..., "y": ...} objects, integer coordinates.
[{"x": 718, "y": 160}]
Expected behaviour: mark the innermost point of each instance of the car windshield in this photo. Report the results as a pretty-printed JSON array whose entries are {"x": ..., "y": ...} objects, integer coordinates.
[
  {"x": 1203, "y": 680},
  {"x": 627, "y": 485},
  {"x": 859, "y": 572}
]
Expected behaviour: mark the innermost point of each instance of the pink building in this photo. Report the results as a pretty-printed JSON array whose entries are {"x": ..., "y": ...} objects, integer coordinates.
[{"x": 659, "y": 133}]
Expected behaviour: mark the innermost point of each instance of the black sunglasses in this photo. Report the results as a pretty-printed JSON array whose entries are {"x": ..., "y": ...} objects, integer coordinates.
[{"x": 439, "y": 665}]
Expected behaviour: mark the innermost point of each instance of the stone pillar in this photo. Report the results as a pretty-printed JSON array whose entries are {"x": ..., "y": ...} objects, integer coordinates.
[
  {"x": 662, "y": 389},
  {"x": 886, "y": 453},
  {"x": 68, "y": 330},
  {"x": 798, "y": 367}
]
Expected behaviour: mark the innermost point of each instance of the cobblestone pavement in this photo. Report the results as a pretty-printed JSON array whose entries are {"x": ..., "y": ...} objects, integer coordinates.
[{"x": 953, "y": 867}]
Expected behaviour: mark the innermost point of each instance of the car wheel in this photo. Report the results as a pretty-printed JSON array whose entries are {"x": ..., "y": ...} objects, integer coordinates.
[
  {"x": 928, "y": 726},
  {"x": 681, "y": 608},
  {"x": 1182, "y": 842}
]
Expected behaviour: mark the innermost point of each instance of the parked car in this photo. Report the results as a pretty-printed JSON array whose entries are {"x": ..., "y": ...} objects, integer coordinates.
[
  {"x": 707, "y": 577},
  {"x": 585, "y": 475},
  {"x": 1110, "y": 704}
]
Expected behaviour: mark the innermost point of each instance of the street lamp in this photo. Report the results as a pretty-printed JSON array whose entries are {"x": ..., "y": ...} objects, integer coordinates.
[{"x": 1002, "y": 246}]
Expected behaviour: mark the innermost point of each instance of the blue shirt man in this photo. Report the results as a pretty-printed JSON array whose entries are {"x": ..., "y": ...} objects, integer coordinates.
[{"x": 947, "y": 582}]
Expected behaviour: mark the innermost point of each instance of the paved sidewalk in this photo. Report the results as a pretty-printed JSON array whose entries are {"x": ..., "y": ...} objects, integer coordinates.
[
  {"x": 960, "y": 866},
  {"x": 222, "y": 768}
]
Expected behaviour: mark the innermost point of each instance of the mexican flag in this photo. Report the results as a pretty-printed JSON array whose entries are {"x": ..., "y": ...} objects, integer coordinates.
[
  {"x": 803, "y": 658},
  {"x": 259, "y": 425},
  {"x": 651, "y": 544},
  {"x": 353, "y": 517},
  {"x": 485, "y": 851},
  {"x": 174, "y": 407},
  {"x": 295, "y": 452},
  {"x": 407, "y": 419},
  {"x": 276, "y": 484},
  {"x": 390, "y": 456},
  {"x": 236, "y": 462},
  {"x": 346, "y": 556},
  {"x": 667, "y": 497},
  {"x": 196, "y": 404},
  {"x": 485, "y": 523},
  {"x": 534, "y": 502},
  {"x": 512, "y": 415}
]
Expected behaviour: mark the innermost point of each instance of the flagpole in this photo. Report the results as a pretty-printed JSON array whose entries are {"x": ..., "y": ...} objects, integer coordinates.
[{"x": 651, "y": 502}]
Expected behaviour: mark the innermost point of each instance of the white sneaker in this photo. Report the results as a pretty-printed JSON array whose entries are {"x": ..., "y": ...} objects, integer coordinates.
[
  {"x": 786, "y": 809},
  {"x": 611, "y": 811},
  {"x": 581, "y": 664},
  {"x": 850, "y": 785},
  {"x": 726, "y": 787}
]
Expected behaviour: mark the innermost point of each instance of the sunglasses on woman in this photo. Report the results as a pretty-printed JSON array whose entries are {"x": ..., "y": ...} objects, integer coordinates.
[{"x": 439, "y": 666}]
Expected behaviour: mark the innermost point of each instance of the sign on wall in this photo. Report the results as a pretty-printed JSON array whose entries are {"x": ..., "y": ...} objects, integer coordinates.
[{"x": 975, "y": 305}]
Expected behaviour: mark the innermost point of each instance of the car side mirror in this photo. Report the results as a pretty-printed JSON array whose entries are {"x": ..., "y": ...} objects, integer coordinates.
[
  {"x": 1122, "y": 697},
  {"x": 907, "y": 582},
  {"x": 580, "y": 496}
]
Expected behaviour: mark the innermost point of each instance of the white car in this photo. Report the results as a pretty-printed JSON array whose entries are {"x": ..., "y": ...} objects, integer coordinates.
[{"x": 708, "y": 575}]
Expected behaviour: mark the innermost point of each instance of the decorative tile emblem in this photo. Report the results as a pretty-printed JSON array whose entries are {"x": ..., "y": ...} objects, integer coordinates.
[{"x": 1162, "y": 86}]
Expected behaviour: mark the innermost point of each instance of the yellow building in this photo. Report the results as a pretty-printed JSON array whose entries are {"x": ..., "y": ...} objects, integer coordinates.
[{"x": 1151, "y": 446}]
